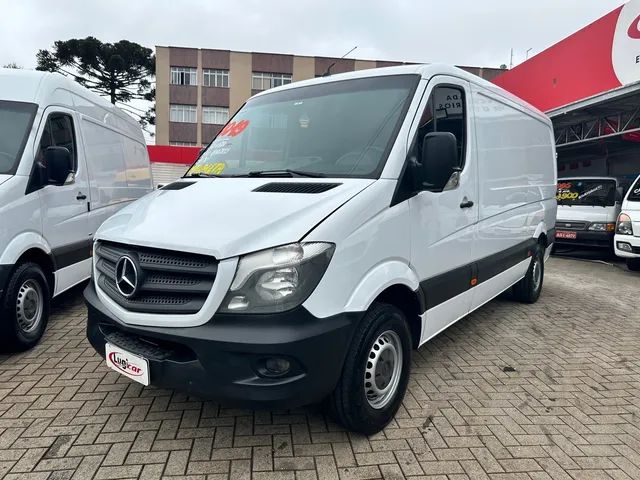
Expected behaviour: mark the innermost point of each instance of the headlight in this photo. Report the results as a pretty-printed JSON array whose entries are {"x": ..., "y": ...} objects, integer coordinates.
[
  {"x": 624, "y": 225},
  {"x": 602, "y": 227},
  {"x": 277, "y": 279}
]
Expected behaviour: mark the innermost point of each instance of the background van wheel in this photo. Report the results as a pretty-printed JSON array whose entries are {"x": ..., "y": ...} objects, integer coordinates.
[
  {"x": 633, "y": 264},
  {"x": 375, "y": 373},
  {"x": 25, "y": 308},
  {"x": 528, "y": 289}
]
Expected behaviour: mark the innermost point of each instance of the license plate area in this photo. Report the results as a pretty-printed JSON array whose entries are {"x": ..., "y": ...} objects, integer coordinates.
[
  {"x": 566, "y": 235},
  {"x": 128, "y": 364}
]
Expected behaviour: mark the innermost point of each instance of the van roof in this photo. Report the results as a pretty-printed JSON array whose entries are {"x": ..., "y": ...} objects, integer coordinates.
[
  {"x": 47, "y": 88},
  {"x": 426, "y": 71}
]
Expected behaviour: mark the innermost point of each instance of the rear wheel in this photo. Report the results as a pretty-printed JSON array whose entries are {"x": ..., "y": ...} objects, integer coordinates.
[
  {"x": 376, "y": 372},
  {"x": 25, "y": 308},
  {"x": 528, "y": 289},
  {"x": 633, "y": 264}
]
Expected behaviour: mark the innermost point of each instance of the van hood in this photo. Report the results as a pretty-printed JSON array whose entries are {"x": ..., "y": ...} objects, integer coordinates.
[
  {"x": 4, "y": 178},
  {"x": 225, "y": 217},
  {"x": 587, "y": 213}
]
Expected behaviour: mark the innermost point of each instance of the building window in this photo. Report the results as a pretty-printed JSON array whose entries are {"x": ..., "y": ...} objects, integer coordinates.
[
  {"x": 184, "y": 76},
  {"x": 183, "y": 144},
  {"x": 215, "y": 115},
  {"x": 264, "y": 81},
  {"x": 183, "y": 113},
  {"x": 215, "y": 78}
]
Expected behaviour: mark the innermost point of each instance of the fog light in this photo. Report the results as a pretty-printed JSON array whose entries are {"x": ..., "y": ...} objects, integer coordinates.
[
  {"x": 277, "y": 366},
  {"x": 625, "y": 247},
  {"x": 239, "y": 302}
]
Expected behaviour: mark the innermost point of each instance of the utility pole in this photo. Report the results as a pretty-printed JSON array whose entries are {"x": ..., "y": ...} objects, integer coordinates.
[
  {"x": 527, "y": 56},
  {"x": 511, "y": 61}
]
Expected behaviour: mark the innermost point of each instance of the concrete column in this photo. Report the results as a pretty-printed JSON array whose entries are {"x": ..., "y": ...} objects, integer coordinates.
[
  {"x": 304, "y": 68},
  {"x": 199, "y": 104},
  {"x": 239, "y": 80},
  {"x": 163, "y": 75},
  {"x": 365, "y": 64}
]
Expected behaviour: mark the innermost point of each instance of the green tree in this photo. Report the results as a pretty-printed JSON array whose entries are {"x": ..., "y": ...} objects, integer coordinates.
[{"x": 122, "y": 71}]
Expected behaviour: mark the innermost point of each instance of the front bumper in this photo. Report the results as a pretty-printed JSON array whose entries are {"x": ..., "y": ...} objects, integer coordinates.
[
  {"x": 587, "y": 239},
  {"x": 634, "y": 242},
  {"x": 222, "y": 360}
]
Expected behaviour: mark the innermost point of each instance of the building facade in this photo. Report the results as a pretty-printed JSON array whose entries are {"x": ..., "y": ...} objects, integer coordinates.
[{"x": 197, "y": 90}]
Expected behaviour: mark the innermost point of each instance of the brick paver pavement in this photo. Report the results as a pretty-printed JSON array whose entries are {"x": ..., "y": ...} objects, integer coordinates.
[{"x": 513, "y": 391}]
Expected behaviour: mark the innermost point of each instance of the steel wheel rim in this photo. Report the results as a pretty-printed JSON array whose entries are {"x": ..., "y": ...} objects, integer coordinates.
[
  {"x": 29, "y": 306},
  {"x": 383, "y": 370},
  {"x": 537, "y": 273}
]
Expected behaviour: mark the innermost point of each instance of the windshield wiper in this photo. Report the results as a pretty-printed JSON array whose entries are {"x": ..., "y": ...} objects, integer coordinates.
[
  {"x": 285, "y": 172},
  {"x": 203, "y": 175}
]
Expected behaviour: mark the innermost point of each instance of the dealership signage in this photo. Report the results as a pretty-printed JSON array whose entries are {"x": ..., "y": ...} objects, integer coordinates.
[{"x": 600, "y": 57}]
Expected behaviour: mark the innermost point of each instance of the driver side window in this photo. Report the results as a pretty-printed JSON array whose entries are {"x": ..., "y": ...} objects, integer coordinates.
[
  {"x": 58, "y": 132},
  {"x": 445, "y": 111}
]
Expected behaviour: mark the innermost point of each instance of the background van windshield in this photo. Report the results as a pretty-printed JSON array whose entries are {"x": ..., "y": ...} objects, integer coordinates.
[
  {"x": 592, "y": 192},
  {"x": 336, "y": 129},
  {"x": 634, "y": 193},
  {"x": 15, "y": 123}
]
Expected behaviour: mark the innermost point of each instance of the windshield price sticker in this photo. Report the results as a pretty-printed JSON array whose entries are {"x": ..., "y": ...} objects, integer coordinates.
[
  {"x": 564, "y": 192},
  {"x": 208, "y": 168},
  {"x": 233, "y": 129}
]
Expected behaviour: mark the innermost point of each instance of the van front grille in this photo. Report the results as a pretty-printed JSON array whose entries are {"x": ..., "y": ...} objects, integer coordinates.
[
  {"x": 570, "y": 225},
  {"x": 165, "y": 281}
]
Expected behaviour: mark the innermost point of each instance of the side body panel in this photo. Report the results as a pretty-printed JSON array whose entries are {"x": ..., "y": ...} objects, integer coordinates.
[{"x": 517, "y": 184}]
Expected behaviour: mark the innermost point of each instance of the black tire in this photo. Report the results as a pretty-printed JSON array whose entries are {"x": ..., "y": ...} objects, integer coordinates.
[
  {"x": 633, "y": 264},
  {"x": 528, "y": 289},
  {"x": 348, "y": 404},
  {"x": 19, "y": 330}
]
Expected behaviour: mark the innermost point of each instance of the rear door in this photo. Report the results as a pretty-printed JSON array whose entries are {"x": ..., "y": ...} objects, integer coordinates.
[
  {"x": 64, "y": 208},
  {"x": 443, "y": 220}
]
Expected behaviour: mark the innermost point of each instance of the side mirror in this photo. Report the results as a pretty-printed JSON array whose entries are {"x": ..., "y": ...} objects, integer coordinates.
[
  {"x": 59, "y": 165},
  {"x": 619, "y": 194},
  {"x": 439, "y": 159}
]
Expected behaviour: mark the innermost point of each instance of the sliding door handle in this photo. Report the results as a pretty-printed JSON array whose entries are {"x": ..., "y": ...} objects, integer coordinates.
[{"x": 466, "y": 203}]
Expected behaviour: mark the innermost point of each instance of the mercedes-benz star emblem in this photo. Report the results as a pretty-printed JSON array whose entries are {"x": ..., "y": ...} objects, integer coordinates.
[{"x": 126, "y": 276}]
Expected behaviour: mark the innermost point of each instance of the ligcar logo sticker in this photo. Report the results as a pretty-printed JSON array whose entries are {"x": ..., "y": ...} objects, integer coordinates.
[
  {"x": 124, "y": 365},
  {"x": 625, "y": 55}
]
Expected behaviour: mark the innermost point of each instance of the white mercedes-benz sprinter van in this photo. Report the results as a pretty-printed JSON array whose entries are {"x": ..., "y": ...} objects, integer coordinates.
[
  {"x": 331, "y": 227},
  {"x": 588, "y": 208},
  {"x": 68, "y": 160},
  {"x": 627, "y": 238}
]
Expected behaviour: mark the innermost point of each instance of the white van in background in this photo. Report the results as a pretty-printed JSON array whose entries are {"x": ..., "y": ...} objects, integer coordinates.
[
  {"x": 627, "y": 238},
  {"x": 588, "y": 208},
  {"x": 331, "y": 227},
  {"x": 68, "y": 160}
]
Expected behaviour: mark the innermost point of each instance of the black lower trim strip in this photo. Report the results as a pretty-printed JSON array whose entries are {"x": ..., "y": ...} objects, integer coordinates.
[
  {"x": 443, "y": 287},
  {"x": 71, "y": 253}
]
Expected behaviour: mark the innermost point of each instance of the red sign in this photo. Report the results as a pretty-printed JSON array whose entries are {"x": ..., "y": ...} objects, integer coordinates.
[{"x": 600, "y": 57}]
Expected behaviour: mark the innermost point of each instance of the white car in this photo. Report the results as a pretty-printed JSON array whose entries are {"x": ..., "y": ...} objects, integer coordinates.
[
  {"x": 68, "y": 160},
  {"x": 627, "y": 238},
  {"x": 331, "y": 227}
]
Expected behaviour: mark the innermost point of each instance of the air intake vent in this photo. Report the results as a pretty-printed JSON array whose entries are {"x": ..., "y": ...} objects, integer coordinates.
[
  {"x": 295, "y": 187},
  {"x": 176, "y": 185}
]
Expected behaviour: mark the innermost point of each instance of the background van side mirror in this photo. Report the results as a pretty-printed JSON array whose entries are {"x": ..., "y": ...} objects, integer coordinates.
[
  {"x": 59, "y": 165},
  {"x": 619, "y": 194},
  {"x": 439, "y": 159}
]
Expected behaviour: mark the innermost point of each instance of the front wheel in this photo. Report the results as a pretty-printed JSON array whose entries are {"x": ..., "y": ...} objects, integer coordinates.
[
  {"x": 376, "y": 372},
  {"x": 25, "y": 309},
  {"x": 633, "y": 264},
  {"x": 528, "y": 289}
]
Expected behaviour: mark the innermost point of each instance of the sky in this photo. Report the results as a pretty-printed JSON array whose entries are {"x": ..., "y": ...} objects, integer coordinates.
[{"x": 462, "y": 32}]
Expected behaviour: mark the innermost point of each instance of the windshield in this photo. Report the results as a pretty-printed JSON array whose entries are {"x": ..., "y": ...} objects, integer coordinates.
[
  {"x": 634, "y": 193},
  {"x": 336, "y": 129},
  {"x": 15, "y": 123},
  {"x": 591, "y": 192}
]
